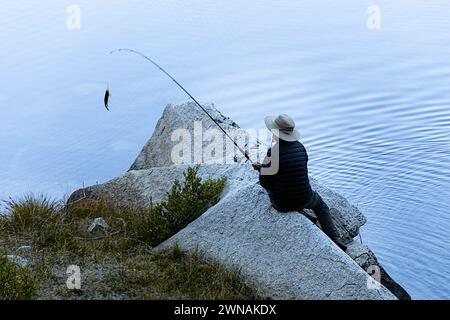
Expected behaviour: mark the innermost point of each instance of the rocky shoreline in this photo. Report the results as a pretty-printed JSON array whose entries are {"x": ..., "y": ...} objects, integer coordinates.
[{"x": 280, "y": 255}]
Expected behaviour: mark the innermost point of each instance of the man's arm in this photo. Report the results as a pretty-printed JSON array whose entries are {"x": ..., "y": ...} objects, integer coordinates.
[{"x": 266, "y": 181}]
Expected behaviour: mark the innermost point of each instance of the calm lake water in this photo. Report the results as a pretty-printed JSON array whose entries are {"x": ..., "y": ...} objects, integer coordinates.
[{"x": 373, "y": 105}]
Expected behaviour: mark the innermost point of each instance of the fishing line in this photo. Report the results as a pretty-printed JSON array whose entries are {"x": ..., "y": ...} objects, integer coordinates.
[{"x": 182, "y": 88}]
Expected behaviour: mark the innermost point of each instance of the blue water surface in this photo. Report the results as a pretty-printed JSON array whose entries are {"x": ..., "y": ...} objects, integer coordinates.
[{"x": 372, "y": 105}]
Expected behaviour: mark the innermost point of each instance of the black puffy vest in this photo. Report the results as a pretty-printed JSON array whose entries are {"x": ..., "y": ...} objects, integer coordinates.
[{"x": 289, "y": 188}]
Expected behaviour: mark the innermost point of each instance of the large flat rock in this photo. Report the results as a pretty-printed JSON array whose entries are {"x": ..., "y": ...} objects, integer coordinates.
[{"x": 283, "y": 255}]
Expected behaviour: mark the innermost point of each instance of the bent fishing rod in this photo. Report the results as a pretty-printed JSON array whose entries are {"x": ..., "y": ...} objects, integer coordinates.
[{"x": 182, "y": 88}]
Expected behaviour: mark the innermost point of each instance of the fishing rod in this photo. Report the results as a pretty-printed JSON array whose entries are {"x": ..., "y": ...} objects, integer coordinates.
[{"x": 182, "y": 88}]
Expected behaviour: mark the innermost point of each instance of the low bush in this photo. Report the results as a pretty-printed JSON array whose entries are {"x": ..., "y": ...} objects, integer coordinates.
[
  {"x": 16, "y": 283},
  {"x": 185, "y": 203}
]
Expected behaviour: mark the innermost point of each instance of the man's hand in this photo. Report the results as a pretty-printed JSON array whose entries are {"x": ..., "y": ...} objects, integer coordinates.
[{"x": 257, "y": 166}]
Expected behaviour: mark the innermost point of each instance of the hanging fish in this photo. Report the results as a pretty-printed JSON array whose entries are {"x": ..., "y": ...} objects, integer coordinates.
[{"x": 106, "y": 98}]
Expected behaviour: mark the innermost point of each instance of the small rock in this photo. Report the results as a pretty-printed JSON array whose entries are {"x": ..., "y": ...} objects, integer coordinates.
[
  {"x": 99, "y": 223},
  {"x": 365, "y": 258},
  {"x": 18, "y": 260},
  {"x": 25, "y": 248}
]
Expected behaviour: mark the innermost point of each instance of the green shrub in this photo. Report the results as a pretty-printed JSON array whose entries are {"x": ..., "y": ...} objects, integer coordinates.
[
  {"x": 16, "y": 283},
  {"x": 185, "y": 202},
  {"x": 188, "y": 201}
]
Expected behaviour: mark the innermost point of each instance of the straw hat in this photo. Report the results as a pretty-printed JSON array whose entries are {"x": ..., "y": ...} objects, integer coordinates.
[{"x": 283, "y": 127}]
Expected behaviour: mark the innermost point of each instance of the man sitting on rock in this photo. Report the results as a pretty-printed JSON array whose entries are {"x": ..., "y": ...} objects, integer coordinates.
[{"x": 284, "y": 174}]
